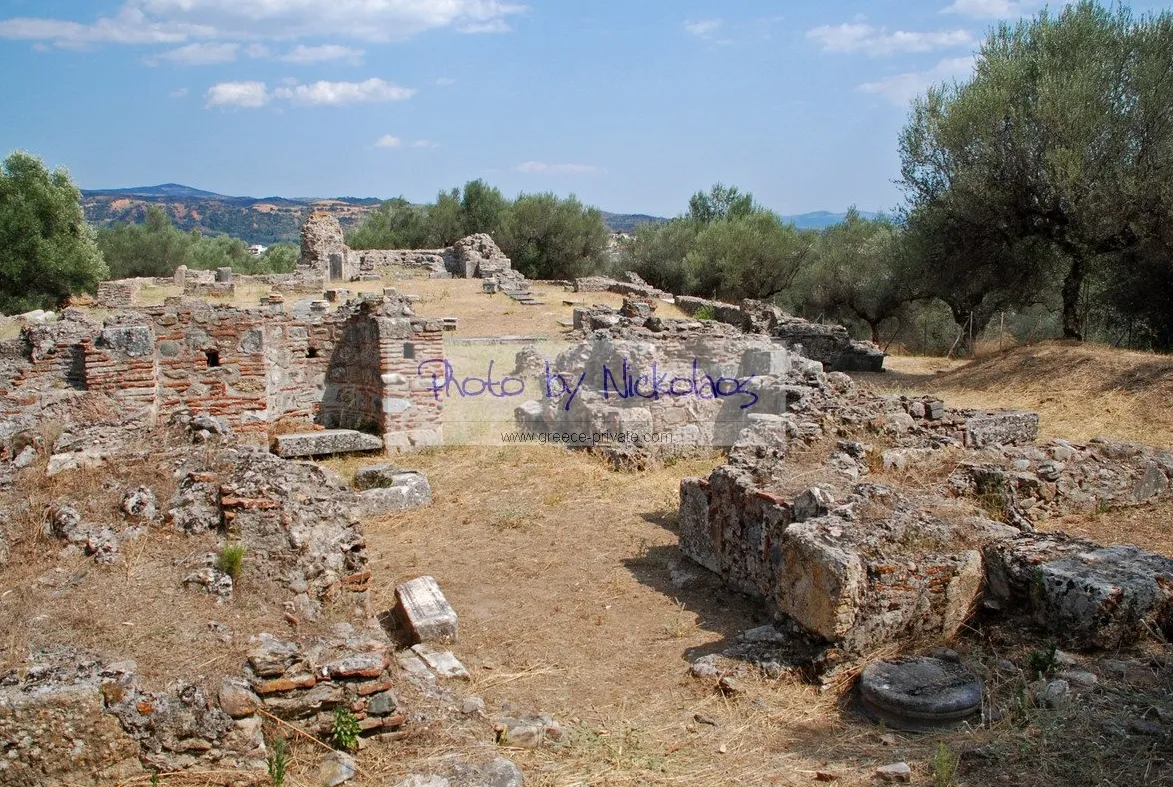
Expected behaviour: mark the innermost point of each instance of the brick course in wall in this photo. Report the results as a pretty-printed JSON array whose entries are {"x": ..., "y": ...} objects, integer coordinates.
[{"x": 249, "y": 367}]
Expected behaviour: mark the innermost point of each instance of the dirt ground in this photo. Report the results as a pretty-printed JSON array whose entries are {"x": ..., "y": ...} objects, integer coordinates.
[{"x": 560, "y": 570}]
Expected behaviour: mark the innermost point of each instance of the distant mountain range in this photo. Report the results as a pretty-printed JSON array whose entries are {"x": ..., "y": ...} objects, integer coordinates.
[{"x": 274, "y": 219}]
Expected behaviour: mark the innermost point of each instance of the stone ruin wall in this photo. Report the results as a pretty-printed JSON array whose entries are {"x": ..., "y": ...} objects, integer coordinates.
[
  {"x": 247, "y": 367},
  {"x": 830, "y": 345},
  {"x": 118, "y": 294},
  {"x": 325, "y": 253},
  {"x": 435, "y": 262},
  {"x": 689, "y": 420}
]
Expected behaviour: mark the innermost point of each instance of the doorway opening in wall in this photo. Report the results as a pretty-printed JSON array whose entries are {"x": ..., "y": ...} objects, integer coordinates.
[{"x": 213, "y": 357}]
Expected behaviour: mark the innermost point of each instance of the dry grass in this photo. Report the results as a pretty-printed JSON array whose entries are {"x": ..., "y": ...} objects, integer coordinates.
[
  {"x": 558, "y": 568},
  {"x": 479, "y": 314},
  {"x": 1079, "y": 390},
  {"x": 136, "y": 608}
]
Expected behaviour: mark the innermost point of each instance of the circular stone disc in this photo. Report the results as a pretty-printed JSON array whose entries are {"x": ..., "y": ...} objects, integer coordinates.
[{"x": 920, "y": 694}]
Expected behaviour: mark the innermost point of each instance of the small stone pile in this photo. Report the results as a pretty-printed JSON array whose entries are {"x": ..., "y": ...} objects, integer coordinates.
[{"x": 305, "y": 683}]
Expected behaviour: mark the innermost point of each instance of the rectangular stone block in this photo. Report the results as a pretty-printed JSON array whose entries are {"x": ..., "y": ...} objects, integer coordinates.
[
  {"x": 442, "y": 662},
  {"x": 1003, "y": 427},
  {"x": 328, "y": 441},
  {"x": 425, "y": 612},
  {"x": 696, "y": 537},
  {"x": 1084, "y": 595}
]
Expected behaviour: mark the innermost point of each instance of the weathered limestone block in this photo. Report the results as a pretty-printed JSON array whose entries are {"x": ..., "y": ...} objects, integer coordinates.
[
  {"x": 408, "y": 490},
  {"x": 1005, "y": 427},
  {"x": 58, "y": 732},
  {"x": 425, "y": 612},
  {"x": 1105, "y": 597},
  {"x": 696, "y": 534},
  {"x": 132, "y": 340},
  {"x": 442, "y": 662},
  {"x": 1085, "y": 595},
  {"x": 856, "y": 584},
  {"x": 328, "y": 441},
  {"x": 821, "y": 584}
]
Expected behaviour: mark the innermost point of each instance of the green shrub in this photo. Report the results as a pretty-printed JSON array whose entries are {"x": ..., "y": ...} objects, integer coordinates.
[
  {"x": 230, "y": 559},
  {"x": 706, "y": 312},
  {"x": 944, "y": 766},
  {"x": 345, "y": 730},
  {"x": 276, "y": 762}
]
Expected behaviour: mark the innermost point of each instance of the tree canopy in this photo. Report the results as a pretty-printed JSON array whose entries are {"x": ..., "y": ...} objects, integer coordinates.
[
  {"x": 47, "y": 251},
  {"x": 1049, "y": 170},
  {"x": 156, "y": 248}
]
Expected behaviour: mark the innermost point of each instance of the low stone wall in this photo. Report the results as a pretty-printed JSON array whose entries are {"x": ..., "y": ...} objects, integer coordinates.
[
  {"x": 251, "y": 367},
  {"x": 721, "y": 312},
  {"x": 206, "y": 289},
  {"x": 429, "y": 260},
  {"x": 118, "y": 293},
  {"x": 830, "y": 345},
  {"x": 300, "y": 283}
]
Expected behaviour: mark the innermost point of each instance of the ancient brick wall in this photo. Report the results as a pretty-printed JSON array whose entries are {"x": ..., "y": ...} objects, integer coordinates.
[
  {"x": 119, "y": 293},
  {"x": 203, "y": 289},
  {"x": 429, "y": 260}
]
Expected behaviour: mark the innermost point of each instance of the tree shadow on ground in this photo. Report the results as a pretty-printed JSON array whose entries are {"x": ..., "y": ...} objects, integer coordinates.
[{"x": 719, "y": 609}]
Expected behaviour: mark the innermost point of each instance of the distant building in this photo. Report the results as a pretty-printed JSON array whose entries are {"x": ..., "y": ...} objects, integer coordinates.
[{"x": 257, "y": 249}]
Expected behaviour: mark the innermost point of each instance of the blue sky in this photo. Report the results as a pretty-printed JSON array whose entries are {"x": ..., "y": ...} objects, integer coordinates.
[{"x": 630, "y": 104}]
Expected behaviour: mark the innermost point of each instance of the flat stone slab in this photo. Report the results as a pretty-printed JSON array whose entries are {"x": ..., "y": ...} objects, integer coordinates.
[
  {"x": 328, "y": 441},
  {"x": 425, "y": 612},
  {"x": 1001, "y": 427},
  {"x": 408, "y": 490},
  {"x": 1103, "y": 598},
  {"x": 920, "y": 694},
  {"x": 442, "y": 662}
]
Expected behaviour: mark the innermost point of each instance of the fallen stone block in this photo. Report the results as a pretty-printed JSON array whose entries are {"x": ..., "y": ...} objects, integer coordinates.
[
  {"x": 425, "y": 612},
  {"x": 442, "y": 662},
  {"x": 328, "y": 441},
  {"x": 1004, "y": 427},
  {"x": 1085, "y": 595},
  {"x": 376, "y": 476},
  {"x": 1106, "y": 598},
  {"x": 409, "y": 490}
]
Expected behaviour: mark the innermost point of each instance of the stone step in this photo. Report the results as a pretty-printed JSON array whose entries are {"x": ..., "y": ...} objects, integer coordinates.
[{"x": 328, "y": 441}]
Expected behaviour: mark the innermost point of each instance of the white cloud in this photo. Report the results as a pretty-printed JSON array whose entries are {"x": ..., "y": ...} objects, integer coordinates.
[
  {"x": 902, "y": 88},
  {"x": 486, "y": 26},
  {"x": 324, "y": 93},
  {"x": 389, "y": 141},
  {"x": 129, "y": 26},
  {"x": 322, "y": 54},
  {"x": 992, "y": 9},
  {"x": 198, "y": 54},
  {"x": 257, "y": 50},
  {"x": 177, "y": 21},
  {"x": 862, "y": 37},
  {"x": 703, "y": 28},
  {"x": 249, "y": 95},
  {"x": 542, "y": 168}
]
